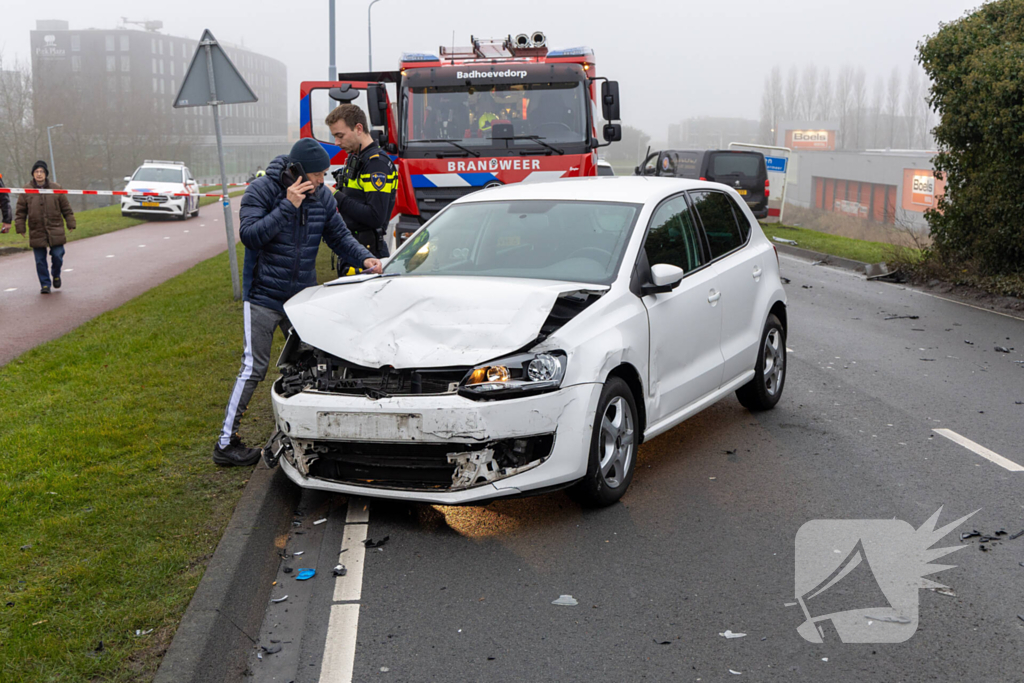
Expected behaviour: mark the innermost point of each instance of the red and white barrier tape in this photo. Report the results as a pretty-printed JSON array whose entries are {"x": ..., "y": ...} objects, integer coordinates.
[{"x": 111, "y": 193}]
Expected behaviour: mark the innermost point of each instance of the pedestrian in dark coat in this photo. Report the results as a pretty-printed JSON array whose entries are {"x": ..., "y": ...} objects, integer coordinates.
[
  {"x": 5, "y": 208},
  {"x": 47, "y": 215},
  {"x": 281, "y": 222}
]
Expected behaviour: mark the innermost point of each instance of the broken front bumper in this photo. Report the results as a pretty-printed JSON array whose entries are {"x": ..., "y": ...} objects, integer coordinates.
[{"x": 443, "y": 449}]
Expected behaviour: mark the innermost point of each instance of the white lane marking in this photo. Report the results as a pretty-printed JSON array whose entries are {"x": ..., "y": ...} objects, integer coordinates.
[
  {"x": 110, "y": 256},
  {"x": 141, "y": 246},
  {"x": 979, "y": 449},
  {"x": 12, "y": 289},
  {"x": 167, "y": 238},
  {"x": 69, "y": 270},
  {"x": 350, "y": 586},
  {"x": 789, "y": 350},
  {"x": 954, "y": 301},
  {"x": 343, "y": 626},
  {"x": 186, "y": 231},
  {"x": 340, "y": 648}
]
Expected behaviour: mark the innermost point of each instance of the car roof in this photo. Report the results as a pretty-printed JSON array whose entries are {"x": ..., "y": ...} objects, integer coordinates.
[{"x": 627, "y": 189}]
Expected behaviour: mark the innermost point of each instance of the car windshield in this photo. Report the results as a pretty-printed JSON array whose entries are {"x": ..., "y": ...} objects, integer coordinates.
[
  {"x": 556, "y": 112},
  {"x": 550, "y": 240},
  {"x": 158, "y": 175}
]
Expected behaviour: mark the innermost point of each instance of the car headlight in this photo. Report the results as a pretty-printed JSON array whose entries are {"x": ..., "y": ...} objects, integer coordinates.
[{"x": 518, "y": 375}]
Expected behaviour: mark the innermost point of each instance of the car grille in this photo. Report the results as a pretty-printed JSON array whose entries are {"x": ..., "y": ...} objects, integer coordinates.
[
  {"x": 430, "y": 200},
  {"x": 162, "y": 199},
  {"x": 319, "y": 371},
  {"x": 413, "y": 466}
]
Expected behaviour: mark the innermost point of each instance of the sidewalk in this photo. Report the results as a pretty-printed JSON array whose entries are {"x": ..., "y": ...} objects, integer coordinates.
[{"x": 101, "y": 273}]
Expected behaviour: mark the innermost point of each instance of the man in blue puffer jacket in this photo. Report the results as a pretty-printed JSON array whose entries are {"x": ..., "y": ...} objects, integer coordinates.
[{"x": 281, "y": 222}]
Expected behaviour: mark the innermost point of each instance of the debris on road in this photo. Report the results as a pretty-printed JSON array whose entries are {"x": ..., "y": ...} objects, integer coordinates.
[
  {"x": 280, "y": 599},
  {"x": 1003, "y": 349},
  {"x": 730, "y": 634},
  {"x": 320, "y": 521},
  {"x": 272, "y": 650},
  {"x": 340, "y": 570},
  {"x": 968, "y": 341},
  {"x": 305, "y": 574},
  {"x": 808, "y": 286},
  {"x": 662, "y": 642},
  {"x": 139, "y": 632},
  {"x": 785, "y": 280},
  {"x": 370, "y": 543},
  {"x": 881, "y": 271},
  {"x": 287, "y": 570},
  {"x": 948, "y": 592},
  {"x": 890, "y": 619},
  {"x": 299, "y": 553},
  {"x": 903, "y": 317},
  {"x": 827, "y": 261},
  {"x": 969, "y": 534},
  {"x": 738, "y": 673},
  {"x": 566, "y": 600},
  {"x": 781, "y": 240},
  {"x": 1017, "y": 535}
]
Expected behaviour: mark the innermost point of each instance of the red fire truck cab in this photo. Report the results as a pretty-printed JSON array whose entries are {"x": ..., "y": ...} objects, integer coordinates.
[{"x": 501, "y": 111}]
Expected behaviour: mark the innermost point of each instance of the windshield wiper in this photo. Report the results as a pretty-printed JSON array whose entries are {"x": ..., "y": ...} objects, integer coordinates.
[
  {"x": 451, "y": 142},
  {"x": 534, "y": 138}
]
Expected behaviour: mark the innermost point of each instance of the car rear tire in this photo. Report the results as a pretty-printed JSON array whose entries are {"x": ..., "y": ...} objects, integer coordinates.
[
  {"x": 613, "y": 447},
  {"x": 765, "y": 390}
]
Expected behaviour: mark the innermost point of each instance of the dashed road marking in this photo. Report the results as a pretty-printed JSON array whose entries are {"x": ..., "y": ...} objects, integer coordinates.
[
  {"x": 69, "y": 270},
  {"x": 343, "y": 626},
  {"x": 12, "y": 289},
  {"x": 979, "y": 449},
  {"x": 141, "y": 246},
  {"x": 110, "y": 256}
]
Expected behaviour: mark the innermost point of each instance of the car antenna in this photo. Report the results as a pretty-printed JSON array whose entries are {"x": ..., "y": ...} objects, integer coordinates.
[{"x": 642, "y": 161}]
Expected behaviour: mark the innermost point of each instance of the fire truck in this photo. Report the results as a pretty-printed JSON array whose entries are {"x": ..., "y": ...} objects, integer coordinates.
[{"x": 500, "y": 111}]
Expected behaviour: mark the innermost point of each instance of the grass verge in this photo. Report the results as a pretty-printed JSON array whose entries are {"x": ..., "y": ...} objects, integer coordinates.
[
  {"x": 91, "y": 223},
  {"x": 844, "y": 247},
  {"x": 111, "y": 504}
]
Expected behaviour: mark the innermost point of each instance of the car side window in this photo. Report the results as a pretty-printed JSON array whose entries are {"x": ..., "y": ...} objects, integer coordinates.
[
  {"x": 720, "y": 224},
  {"x": 672, "y": 238}
]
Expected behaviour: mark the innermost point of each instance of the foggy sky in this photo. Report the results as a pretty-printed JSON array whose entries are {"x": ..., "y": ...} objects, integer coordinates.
[{"x": 673, "y": 59}]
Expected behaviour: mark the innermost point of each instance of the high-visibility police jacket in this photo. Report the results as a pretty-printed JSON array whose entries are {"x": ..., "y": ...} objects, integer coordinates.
[{"x": 368, "y": 197}]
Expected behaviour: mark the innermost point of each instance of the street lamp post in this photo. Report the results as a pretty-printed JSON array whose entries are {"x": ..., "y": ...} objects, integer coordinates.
[
  {"x": 369, "y": 34},
  {"x": 53, "y": 169},
  {"x": 332, "y": 71}
]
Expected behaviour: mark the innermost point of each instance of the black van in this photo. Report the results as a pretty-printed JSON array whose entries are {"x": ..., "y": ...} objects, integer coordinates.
[{"x": 744, "y": 171}]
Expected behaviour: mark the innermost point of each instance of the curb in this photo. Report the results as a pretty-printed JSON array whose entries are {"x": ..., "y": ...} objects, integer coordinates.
[
  {"x": 844, "y": 263},
  {"x": 223, "y": 619}
]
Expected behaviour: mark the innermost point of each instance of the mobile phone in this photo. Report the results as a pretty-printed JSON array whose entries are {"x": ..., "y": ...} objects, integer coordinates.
[{"x": 296, "y": 171}]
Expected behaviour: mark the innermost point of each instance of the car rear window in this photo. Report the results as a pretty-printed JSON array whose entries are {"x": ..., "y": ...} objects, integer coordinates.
[
  {"x": 736, "y": 164},
  {"x": 158, "y": 175}
]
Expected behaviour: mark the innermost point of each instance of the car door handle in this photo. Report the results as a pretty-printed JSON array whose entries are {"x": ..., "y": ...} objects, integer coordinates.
[
  {"x": 757, "y": 272},
  {"x": 714, "y": 296}
]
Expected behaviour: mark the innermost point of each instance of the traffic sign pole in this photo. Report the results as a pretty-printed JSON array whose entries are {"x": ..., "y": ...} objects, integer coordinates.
[{"x": 225, "y": 200}]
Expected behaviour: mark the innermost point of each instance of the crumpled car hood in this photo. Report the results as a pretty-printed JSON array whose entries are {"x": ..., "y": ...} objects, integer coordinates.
[{"x": 424, "y": 322}]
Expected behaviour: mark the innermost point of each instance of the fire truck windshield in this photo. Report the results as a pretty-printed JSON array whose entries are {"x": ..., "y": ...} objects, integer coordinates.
[{"x": 553, "y": 112}]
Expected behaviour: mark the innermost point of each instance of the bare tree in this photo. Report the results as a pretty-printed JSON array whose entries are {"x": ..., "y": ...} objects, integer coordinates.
[
  {"x": 808, "y": 92},
  {"x": 860, "y": 102},
  {"x": 892, "y": 104},
  {"x": 844, "y": 104},
  {"x": 19, "y": 138},
  {"x": 823, "y": 105},
  {"x": 792, "y": 89},
  {"x": 911, "y": 110},
  {"x": 772, "y": 106},
  {"x": 877, "y": 108}
]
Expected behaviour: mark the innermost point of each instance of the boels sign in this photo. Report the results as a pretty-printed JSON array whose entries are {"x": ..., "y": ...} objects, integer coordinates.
[{"x": 824, "y": 140}]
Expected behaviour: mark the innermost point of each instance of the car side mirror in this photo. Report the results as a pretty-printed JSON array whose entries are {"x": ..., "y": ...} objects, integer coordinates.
[
  {"x": 664, "y": 278},
  {"x": 610, "y": 100},
  {"x": 377, "y": 104},
  {"x": 127, "y": 178},
  {"x": 612, "y": 132}
]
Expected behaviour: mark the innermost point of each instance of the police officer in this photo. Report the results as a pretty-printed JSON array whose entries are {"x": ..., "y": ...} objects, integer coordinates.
[{"x": 366, "y": 186}]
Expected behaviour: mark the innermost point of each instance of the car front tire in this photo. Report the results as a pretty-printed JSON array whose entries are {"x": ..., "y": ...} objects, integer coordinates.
[
  {"x": 765, "y": 390},
  {"x": 613, "y": 447}
]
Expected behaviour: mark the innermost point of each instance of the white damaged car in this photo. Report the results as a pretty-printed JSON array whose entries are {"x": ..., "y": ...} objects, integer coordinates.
[{"x": 530, "y": 338}]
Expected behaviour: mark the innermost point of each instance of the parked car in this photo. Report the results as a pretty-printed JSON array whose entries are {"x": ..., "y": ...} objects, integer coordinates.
[
  {"x": 744, "y": 171},
  {"x": 604, "y": 168},
  {"x": 529, "y": 338},
  {"x": 166, "y": 177}
]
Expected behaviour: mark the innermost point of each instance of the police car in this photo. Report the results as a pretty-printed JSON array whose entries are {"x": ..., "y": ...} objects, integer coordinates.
[{"x": 166, "y": 177}]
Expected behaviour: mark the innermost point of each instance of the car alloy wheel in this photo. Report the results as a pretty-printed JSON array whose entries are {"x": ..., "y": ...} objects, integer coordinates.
[
  {"x": 764, "y": 390},
  {"x": 613, "y": 447},
  {"x": 617, "y": 439},
  {"x": 774, "y": 361}
]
